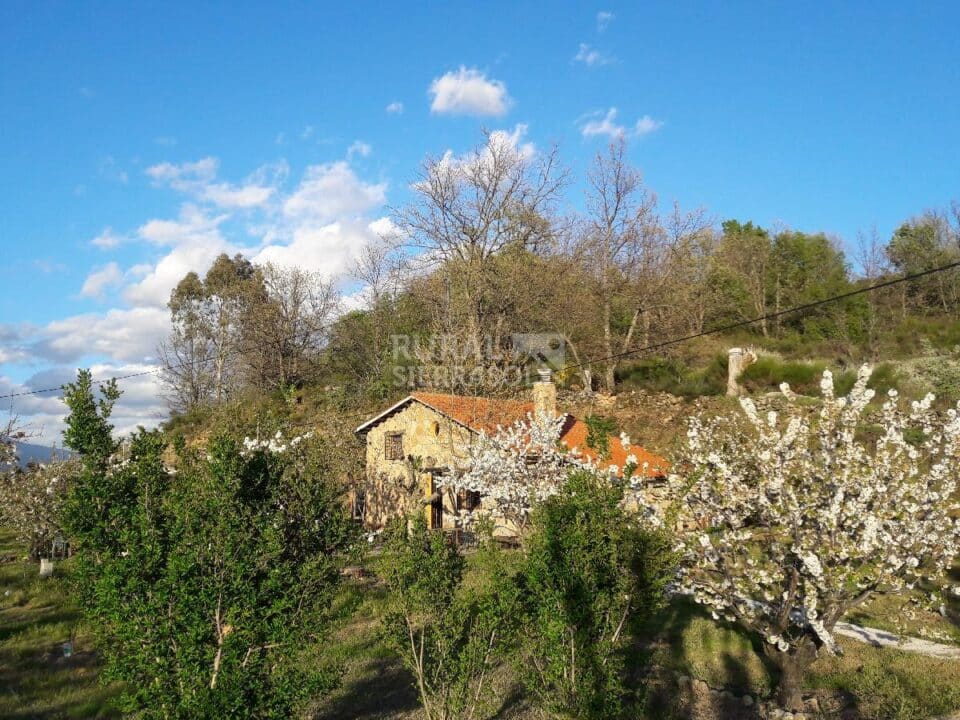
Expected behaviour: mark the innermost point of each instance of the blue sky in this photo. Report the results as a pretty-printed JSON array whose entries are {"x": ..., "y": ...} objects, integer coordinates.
[{"x": 138, "y": 140}]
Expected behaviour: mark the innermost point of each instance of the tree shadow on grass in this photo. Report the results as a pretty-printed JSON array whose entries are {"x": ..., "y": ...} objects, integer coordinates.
[
  {"x": 44, "y": 684},
  {"x": 382, "y": 688},
  {"x": 667, "y": 645}
]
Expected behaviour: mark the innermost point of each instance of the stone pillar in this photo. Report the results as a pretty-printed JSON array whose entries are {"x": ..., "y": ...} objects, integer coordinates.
[
  {"x": 46, "y": 567},
  {"x": 735, "y": 366},
  {"x": 545, "y": 394}
]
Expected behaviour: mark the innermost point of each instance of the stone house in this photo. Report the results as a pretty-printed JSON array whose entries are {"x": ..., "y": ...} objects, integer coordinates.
[{"x": 426, "y": 436}]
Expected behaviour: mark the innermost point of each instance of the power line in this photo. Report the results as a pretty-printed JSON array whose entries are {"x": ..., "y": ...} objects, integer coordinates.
[
  {"x": 656, "y": 346},
  {"x": 769, "y": 316}
]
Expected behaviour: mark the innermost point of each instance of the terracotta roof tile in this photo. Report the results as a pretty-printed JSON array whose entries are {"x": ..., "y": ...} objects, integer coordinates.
[
  {"x": 479, "y": 413},
  {"x": 574, "y": 435}
]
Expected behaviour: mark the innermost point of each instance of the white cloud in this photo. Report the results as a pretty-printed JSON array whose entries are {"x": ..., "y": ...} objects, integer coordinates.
[
  {"x": 395, "y": 108},
  {"x": 331, "y": 191},
  {"x": 13, "y": 344},
  {"x": 194, "y": 226},
  {"x": 646, "y": 125},
  {"x": 307, "y": 132},
  {"x": 165, "y": 141},
  {"x": 604, "y": 18},
  {"x": 130, "y": 335},
  {"x": 198, "y": 180},
  {"x": 100, "y": 280},
  {"x": 608, "y": 126},
  {"x": 468, "y": 92},
  {"x": 328, "y": 249},
  {"x": 359, "y": 148},
  {"x": 591, "y": 57},
  {"x": 107, "y": 240}
]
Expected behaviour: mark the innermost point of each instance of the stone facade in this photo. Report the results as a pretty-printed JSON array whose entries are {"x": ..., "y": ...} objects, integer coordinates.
[
  {"x": 432, "y": 444},
  {"x": 410, "y": 445}
]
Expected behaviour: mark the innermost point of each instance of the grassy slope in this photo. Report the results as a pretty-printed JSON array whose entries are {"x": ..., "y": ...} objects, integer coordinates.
[
  {"x": 884, "y": 684},
  {"x": 36, "y": 618},
  {"x": 37, "y": 682}
]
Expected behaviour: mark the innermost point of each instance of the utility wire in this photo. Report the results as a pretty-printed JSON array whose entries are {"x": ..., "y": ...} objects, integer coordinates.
[
  {"x": 769, "y": 316},
  {"x": 656, "y": 346}
]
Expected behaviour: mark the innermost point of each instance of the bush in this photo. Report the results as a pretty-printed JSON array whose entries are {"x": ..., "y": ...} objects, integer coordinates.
[
  {"x": 768, "y": 372},
  {"x": 599, "y": 430},
  {"x": 448, "y": 635},
  {"x": 589, "y": 571},
  {"x": 655, "y": 374},
  {"x": 204, "y": 584},
  {"x": 884, "y": 378},
  {"x": 675, "y": 377}
]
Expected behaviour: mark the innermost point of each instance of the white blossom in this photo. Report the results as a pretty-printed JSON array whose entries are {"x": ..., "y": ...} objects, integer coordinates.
[
  {"x": 522, "y": 465},
  {"x": 789, "y": 520}
]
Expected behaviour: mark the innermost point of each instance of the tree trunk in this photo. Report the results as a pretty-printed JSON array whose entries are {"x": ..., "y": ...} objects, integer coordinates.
[
  {"x": 610, "y": 365},
  {"x": 793, "y": 666}
]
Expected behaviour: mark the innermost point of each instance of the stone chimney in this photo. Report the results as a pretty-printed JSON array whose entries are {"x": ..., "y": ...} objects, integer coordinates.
[{"x": 545, "y": 394}]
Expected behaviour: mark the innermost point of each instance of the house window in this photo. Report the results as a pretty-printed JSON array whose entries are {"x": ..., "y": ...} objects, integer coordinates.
[
  {"x": 468, "y": 500},
  {"x": 393, "y": 446}
]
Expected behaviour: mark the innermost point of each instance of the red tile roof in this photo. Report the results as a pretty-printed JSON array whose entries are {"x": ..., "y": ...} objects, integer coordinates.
[
  {"x": 574, "y": 435},
  {"x": 479, "y": 413}
]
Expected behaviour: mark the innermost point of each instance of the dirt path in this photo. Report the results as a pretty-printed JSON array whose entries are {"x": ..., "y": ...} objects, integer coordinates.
[{"x": 881, "y": 638}]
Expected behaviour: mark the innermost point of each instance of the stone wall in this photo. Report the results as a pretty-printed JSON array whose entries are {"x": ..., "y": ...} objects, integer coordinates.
[{"x": 432, "y": 444}]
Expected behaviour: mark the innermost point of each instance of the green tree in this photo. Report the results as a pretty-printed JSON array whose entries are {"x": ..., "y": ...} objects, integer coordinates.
[
  {"x": 88, "y": 430},
  {"x": 201, "y": 357},
  {"x": 590, "y": 572},
  {"x": 807, "y": 268},
  {"x": 745, "y": 255},
  {"x": 447, "y": 633},
  {"x": 923, "y": 244},
  {"x": 205, "y": 584},
  {"x": 98, "y": 497}
]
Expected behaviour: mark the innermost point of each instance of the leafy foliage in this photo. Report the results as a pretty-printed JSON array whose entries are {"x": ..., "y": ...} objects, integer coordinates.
[
  {"x": 204, "y": 583},
  {"x": 447, "y": 634},
  {"x": 599, "y": 430},
  {"x": 590, "y": 570}
]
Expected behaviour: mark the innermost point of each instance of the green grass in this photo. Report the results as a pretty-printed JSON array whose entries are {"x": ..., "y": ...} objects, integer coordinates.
[
  {"x": 36, "y": 681},
  {"x": 36, "y": 618},
  {"x": 879, "y": 683},
  {"x": 375, "y": 684}
]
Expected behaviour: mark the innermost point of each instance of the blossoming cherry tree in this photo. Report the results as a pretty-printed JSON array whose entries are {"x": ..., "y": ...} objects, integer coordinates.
[{"x": 791, "y": 520}]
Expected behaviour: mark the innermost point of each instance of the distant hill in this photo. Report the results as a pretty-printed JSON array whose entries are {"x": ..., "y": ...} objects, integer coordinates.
[{"x": 39, "y": 453}]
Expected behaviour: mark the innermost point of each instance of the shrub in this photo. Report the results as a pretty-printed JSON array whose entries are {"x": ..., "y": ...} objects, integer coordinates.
[
  {"x": 204, "y": 584},
  {"x": 768, "y": 372},
  {"x": 674, "y": 377},
  {"x": 599, "y": 430},
  {"x": 655, "y": 374},
  {"x": 588, "y": 572},
  {"x": 448, "y": 635}
]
